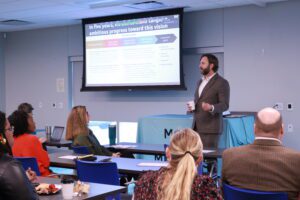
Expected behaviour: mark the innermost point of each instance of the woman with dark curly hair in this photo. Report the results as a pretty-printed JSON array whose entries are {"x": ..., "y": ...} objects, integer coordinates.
[
  {"x": 13, "y": 181},
  {"x": 27, "y": 145}
]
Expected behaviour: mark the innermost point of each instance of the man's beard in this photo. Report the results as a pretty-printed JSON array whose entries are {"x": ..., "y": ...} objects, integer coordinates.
[{"x": 205, "y": 71}]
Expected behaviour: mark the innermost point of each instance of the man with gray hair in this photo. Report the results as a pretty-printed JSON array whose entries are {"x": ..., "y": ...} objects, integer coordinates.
[{"x": 265, "y": 165}]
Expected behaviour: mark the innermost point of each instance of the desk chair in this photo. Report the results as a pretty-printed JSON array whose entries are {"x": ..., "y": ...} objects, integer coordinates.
[
  {"x": 81, "y": 149},
  {"x": 29, "y": 162},
  {"x": 234, "y": 193},
  {"x": 98, "y": 172}
]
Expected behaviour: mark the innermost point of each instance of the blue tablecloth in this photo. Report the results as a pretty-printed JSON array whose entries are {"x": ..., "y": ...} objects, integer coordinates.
[
  {"x": 157, "y": 129},
  {"x": 237, "y": 131}
]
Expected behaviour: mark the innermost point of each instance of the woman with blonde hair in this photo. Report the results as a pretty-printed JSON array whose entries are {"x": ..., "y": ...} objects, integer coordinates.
[
  {"x": 179, "y": 180},
  {"x": 78, "y": 131}
]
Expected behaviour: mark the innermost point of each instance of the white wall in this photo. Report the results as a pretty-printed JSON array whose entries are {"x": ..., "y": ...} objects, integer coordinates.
[
  {"x": 33, "y": 62},
  {"x": 203, "y": 29},
  {"x": 262, "y": 51},
  {"x": 261, "y": 46}
]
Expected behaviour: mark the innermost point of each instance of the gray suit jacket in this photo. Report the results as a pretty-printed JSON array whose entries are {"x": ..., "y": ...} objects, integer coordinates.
[
  {"x": 265, "y": 165},
  {"x": 216, "y": 92}
]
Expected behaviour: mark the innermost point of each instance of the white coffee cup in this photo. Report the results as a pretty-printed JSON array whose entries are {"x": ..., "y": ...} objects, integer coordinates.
[
  {"x": 67, "y": 190},
  {"x": 191, "y": 105}
]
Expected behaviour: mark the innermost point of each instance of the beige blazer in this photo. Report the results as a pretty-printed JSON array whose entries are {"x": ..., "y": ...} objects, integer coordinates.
[{"x": 265, "y": 165}]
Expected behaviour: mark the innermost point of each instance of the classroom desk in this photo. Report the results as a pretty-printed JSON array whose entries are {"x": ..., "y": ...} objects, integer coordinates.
[
  {"x": 154, "y": 149},
  {"x": 125, "y": 165},
  {"x": 61, "y": 143},
  {"x": 97, "y": 191}
]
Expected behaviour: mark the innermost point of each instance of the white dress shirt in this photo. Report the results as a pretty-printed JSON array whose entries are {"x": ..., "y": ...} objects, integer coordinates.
[
  {"x": 204, "y": 82},
  {"x": 267, "y": 138}
]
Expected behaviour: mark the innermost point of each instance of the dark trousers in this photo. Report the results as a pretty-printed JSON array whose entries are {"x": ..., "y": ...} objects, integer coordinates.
[{"x": 209, "y": 140}]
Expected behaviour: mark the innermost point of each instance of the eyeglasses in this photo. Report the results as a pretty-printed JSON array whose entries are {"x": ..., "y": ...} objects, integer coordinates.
[{"x": 10, "y": 129}]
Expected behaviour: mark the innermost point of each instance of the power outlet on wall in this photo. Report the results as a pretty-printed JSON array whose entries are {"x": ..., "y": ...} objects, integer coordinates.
[
  {"x": 290, "y": 128},
  {"x": 60, "y": 105},
  {"x": 278, "y": 106},
  {"x": 290, "y": 107}
]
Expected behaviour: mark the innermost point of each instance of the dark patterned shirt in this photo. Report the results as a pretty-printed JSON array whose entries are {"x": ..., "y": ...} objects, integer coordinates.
[{"x": 203, "y": 187}]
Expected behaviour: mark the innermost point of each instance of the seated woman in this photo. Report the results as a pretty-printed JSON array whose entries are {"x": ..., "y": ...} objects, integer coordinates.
[
  {"x": 13, "y": 181},
  {"x": 26, "y": 144},
  {"x": 78, "y": 131},
  {"x": 179, "y": 180},
  {"x": 7, "y": 139}
]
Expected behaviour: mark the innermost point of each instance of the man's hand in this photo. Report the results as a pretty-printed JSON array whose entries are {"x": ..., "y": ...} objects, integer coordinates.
[
  {"x": 31, "y": 175},
  {"x": 42, "y": 140},
  {"x": 190, "y": 106},
  {"x": 206, "y": 107}
]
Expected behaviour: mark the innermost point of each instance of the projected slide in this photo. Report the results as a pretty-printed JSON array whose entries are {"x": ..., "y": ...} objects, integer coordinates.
[{"x": 135, "y": 52}]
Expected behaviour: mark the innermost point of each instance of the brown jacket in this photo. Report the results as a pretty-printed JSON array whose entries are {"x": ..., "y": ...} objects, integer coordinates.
[
  {"x": 216, "y": 92},
  {"x": 265, "y": 165}
]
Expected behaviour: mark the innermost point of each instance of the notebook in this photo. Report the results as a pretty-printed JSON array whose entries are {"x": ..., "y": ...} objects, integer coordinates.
[{"x": 57, "y": 133}]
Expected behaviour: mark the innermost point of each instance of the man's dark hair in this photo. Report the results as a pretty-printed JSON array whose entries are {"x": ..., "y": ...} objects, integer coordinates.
[
  {"x": 19, "y": 120},
  {"x": 26, "y": 107},
  {"x": 212, "y": 59}
]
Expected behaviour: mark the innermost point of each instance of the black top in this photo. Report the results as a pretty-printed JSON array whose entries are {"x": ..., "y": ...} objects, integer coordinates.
[
  {"x": 14, "y": 183},
  {"x": 92, "y": 143}
]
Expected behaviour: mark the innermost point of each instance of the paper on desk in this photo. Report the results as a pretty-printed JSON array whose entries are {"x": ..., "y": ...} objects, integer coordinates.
[
  {"x": 153, "y": 164},
  {"x": 121, "y": 146},
  {"x": 208, "y": 151},
  {"x": 70, "y": 157}
]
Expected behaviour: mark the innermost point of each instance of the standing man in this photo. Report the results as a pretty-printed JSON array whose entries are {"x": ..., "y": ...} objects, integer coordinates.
[
  {"x": 265, "y": 165},
  {"x": 210, "y": 101}
]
